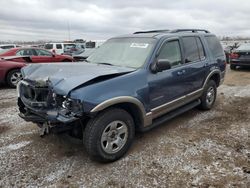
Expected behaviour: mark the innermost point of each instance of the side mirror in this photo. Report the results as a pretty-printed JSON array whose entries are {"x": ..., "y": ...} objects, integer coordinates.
[{"x": 161, "y": 65}]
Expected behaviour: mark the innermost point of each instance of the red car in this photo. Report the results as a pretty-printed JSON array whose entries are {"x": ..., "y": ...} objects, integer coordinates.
[
  {"x": 10, "y": 71},
  {"x": 37, "y": 55}
]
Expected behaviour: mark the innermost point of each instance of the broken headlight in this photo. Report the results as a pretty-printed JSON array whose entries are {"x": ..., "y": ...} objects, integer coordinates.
[{"x": 72, "y": 105}]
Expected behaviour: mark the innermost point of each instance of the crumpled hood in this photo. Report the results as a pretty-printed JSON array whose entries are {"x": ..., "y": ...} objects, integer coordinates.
[{"x": 63, "y": 77}]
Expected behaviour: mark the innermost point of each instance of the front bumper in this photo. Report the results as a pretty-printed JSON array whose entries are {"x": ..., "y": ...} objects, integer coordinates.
[
  {"x": 52, "y": 116},
  {"x": 240, "y": 62}
]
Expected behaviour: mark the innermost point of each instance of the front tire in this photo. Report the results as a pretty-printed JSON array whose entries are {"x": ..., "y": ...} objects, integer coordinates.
[
  {"x": 209, "y": 96},
  {"x": 13, "y": 77},
  {"x": 109, "y": 135}
]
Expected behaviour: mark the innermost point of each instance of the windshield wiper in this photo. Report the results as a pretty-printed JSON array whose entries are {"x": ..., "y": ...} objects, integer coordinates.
[{"x": 105, "y": 64}]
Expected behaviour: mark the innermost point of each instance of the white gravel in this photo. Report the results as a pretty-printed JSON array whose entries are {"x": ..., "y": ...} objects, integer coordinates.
[{"x": 197, "y": 149}]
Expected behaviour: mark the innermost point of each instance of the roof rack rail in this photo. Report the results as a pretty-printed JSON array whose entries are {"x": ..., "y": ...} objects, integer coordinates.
[
  {"x": 173, "y": 31},
  {"x": 152, "y": 31},
  {"x": 191, "y": 30}
]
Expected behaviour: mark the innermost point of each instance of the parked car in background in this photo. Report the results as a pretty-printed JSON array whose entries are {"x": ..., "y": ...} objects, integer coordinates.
[
  {"x": 229, "y": 48},
  {"x": 10, "y": 73},
  {"x": 94, "y": 43},
  {"x": 79, "y": 41},
  {"x": 84, "y": 55},
  {"x": 131, "y": 83},
  {"x": 240, "y": 56},
  {"x": 8, "y": 46},
  {"x": 41, "y": 45},
  {"x": 58, "y": 48},
  {"x": 38, "y": 55},
  {"x": 74, "y": 49}
]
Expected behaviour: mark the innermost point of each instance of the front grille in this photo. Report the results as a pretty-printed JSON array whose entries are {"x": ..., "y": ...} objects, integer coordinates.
[{"x": 35, "y": 96}]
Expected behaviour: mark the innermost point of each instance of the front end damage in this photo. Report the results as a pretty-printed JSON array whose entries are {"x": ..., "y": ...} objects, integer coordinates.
[
  {"x": 38, "y": 103},
  {"x": 44, "y": 95}
]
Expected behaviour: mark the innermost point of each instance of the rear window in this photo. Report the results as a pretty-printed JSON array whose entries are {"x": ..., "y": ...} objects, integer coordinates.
[
  {"x": 214, "y": 46},
  {"x": 48, "y": 46}
]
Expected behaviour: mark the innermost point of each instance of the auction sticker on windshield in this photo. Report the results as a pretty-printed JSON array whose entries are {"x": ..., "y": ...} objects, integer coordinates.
[{"x": 139, "y": 45}]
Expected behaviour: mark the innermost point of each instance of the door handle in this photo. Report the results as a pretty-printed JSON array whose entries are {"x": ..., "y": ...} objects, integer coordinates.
[{"x": 181, "y": 72}]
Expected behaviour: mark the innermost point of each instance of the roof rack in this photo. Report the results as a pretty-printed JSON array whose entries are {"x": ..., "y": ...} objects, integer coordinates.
[
  {"x": 189, "y": 30},
  {"x": 152, "y": 31},
  {"x": 173, "y": 31}
]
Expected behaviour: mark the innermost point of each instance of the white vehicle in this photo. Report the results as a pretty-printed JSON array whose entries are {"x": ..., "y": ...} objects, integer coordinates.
[
  {"x": 8, "y": 46},
  {"x": 58, "y": 48}
]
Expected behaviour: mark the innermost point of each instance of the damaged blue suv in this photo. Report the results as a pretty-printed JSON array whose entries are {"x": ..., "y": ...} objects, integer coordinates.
[{"x": 131, "y": 83}]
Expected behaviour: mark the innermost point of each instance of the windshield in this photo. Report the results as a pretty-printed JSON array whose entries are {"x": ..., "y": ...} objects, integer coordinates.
[
  {"x": 127, "y": 52},
  {"x": 244, "y": 47}
]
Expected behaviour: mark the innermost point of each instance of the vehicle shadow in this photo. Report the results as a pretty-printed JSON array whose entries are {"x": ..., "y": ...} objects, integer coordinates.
[
  {"x": 73, "y": 147},
  {"x": 243, "y": 69}
]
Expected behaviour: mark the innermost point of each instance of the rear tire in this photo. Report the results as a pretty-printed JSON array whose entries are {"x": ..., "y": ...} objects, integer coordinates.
[
  {"x": 209, "y": 96},
  {"x": 233, "y": 67},
  {"x": 109, "y": 135},
  {"x": 13, "y": 77}
]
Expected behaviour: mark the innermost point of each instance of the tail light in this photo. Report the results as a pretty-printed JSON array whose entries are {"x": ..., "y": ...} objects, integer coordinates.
[{"x": 234, "y": 56}]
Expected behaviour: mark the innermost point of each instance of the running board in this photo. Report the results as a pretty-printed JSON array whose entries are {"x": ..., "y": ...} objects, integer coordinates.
[{"x": 172, "y": 114}]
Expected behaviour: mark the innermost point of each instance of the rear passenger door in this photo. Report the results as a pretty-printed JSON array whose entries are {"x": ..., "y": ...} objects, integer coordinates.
[{"x": 195, "y": 61}]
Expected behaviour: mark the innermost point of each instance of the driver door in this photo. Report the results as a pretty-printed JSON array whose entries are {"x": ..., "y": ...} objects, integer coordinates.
[
  {"x": 42, "y": 56},
  {"x": 168, "y": 85}
]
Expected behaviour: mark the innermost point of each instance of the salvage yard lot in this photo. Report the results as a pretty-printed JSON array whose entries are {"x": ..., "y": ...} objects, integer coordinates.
[{"x": 200, "y": 149}]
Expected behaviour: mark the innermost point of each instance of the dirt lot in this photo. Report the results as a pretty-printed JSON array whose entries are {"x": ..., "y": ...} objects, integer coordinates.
[{"x": 197, "y": 149}]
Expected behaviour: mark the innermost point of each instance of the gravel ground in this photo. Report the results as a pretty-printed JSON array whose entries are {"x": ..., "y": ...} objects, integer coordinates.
[{"x": 196, "y": 149}]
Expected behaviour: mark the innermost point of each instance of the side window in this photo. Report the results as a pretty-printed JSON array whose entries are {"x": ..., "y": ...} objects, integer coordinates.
[
  {"x": 58, "y": 46},
  {"x": 214, "y": 46},
  {"x": 171, "y": 51},
  {"x": 48, "y": 46},
  {"x": 19, "y": 53},
  {"x": 43, "y": 53},
  {"x": 191, "y": 49},
  {"x": 25, "y": 52},
  {"x": 8, "y": 47}
]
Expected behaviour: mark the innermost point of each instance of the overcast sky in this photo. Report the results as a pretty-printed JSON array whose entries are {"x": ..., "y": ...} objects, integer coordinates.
[{"x": 102, "y": 19}]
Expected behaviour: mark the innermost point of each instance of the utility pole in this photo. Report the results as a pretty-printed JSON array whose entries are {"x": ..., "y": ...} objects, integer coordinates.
[
  {"x": 68, "y": 23},
  {"x": 68, "y": 30}
]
